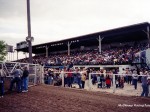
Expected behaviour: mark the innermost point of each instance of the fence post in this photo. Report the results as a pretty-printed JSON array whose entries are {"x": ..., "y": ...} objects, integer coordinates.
[
  {"x": 89, "y": 81},
  {"x": 35, "y": 78},
  {"x": 114, "y": 83},
  {"x": 42, "y": 74},
  {"x": 62, "y": 73}
]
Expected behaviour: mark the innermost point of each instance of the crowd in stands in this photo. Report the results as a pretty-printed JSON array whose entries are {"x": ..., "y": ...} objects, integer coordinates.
[{"x": 125, "y": 54}]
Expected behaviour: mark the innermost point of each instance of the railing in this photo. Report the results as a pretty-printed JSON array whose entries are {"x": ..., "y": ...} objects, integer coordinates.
[
  {"x": 113, "y": 89},
  {"x": 35, "y": 71},
  {"x": 114, "y": 81}
]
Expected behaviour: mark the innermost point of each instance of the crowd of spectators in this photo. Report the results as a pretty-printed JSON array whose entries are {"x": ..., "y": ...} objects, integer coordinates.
[
  {"x": 101, "y": 78},
  {"x": 109, "y": 56}
]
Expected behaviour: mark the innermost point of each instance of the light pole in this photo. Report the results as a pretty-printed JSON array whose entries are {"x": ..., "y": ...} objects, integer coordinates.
[{"x": 29, "y": 39}]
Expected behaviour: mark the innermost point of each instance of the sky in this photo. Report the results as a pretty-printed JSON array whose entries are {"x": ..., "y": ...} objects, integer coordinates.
[{"x": 53, "y": 20}]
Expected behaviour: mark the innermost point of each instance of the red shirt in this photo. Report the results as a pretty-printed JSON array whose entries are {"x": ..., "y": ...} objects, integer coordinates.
[
  {"x": 108, "y": 81},
  {"x": 69, "y": 74}
]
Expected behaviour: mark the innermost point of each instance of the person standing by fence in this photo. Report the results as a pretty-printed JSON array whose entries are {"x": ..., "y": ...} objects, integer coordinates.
[
  {"x": 102, "y": 80},
  {"x": 148, "y": 83},
  {"x": 1, "y": 87},
  {"x": 50, "y": 76},
  {"x": 25, "y": 79},
  {"x": 83, "y": 77},
  {"x": 78, "y": 78},
  {"x": 135, "y": 78},
  {"x": 16, "y": 79},
  {"x": 129, "y": 77},
  {"x": 144, "y": 86},
  {"x": 69, "y": 78},
  {"x": 108, "y": 81}
]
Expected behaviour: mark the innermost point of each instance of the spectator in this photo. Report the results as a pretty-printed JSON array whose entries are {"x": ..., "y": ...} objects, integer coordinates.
[
  {"x": 50, "y": 77},
  {"x": 16, "y": 79},
  {"x": 83, "y": 79},
  {"x": 129, "y": 77},
  {"x": 121, "y": 82},
  {"x": 25, "y": 79},
  {"x": 1, "y": 87},
  {"x": 135, "y": 78},
  {"x": 94, "y": 78},
  {"x": 108, "y": 81},
  {"x": 144, "y": 86},
  {"x": 46, "y": 77},
  {"x": 78, "y": 78},
  {"x": 69, "y": 78},
  {"x": 98, "y": 81},
  {"x": 102, "y": 80},
  {"x": 148, "y": 83},
  {"x": 117, "y": 83}
]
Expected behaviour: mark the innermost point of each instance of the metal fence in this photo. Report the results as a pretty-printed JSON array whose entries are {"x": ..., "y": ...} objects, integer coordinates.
[
  {"x": 120, "y": 84},
  {"x": 35, "y": 71},
  {"x": 127, "y": 89}
]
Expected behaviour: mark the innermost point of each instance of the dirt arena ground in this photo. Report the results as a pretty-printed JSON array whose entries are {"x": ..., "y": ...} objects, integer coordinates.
[{"x": 46, "y": 98}]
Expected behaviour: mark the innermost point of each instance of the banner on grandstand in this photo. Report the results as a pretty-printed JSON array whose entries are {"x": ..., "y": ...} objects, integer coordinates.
[
  {"x": 148, "y": 56},
  {"x": 142, "y": 57},
  {"x": 21, "y": 45}
]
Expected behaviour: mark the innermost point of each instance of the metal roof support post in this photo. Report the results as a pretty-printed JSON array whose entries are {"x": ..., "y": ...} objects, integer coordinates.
[
  {"x": 47, "y": 51},
  {"x": 148, "y": 36},
  {"x": 69, "y": 44},
  {"x": 100, "y": 44}
]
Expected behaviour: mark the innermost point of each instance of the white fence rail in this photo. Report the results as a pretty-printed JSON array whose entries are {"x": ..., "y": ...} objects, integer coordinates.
[{"x": 113, "y": 87}]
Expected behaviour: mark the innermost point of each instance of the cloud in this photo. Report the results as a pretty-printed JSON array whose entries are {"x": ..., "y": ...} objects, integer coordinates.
[{"x": 59, "y": 19}]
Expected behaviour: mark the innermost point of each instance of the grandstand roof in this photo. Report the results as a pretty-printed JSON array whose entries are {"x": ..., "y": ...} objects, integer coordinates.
[{"x": 123, "y": 34}]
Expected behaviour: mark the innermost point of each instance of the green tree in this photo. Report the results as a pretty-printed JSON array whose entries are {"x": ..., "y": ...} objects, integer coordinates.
[{"x": 2, "y": 50}]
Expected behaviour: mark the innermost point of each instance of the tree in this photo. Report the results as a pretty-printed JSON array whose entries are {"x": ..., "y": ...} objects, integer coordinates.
[{"x": 2, "y": 50}]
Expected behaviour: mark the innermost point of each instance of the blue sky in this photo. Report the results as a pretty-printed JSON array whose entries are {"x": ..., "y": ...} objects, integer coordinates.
[{"x": 60, "y": 19}]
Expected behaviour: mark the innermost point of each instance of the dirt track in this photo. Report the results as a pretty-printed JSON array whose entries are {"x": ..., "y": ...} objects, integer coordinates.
[{"x": 45, "y": 98}]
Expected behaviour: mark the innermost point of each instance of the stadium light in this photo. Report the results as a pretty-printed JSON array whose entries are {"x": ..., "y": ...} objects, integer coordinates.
[{"x": 29, "y": 39}]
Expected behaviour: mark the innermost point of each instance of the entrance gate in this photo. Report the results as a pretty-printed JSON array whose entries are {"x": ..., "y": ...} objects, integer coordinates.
[{"x": 35, "y": 71}]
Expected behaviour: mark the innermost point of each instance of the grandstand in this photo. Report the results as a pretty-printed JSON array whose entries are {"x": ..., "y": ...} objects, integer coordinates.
[{"x": 86, "y": 49}]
